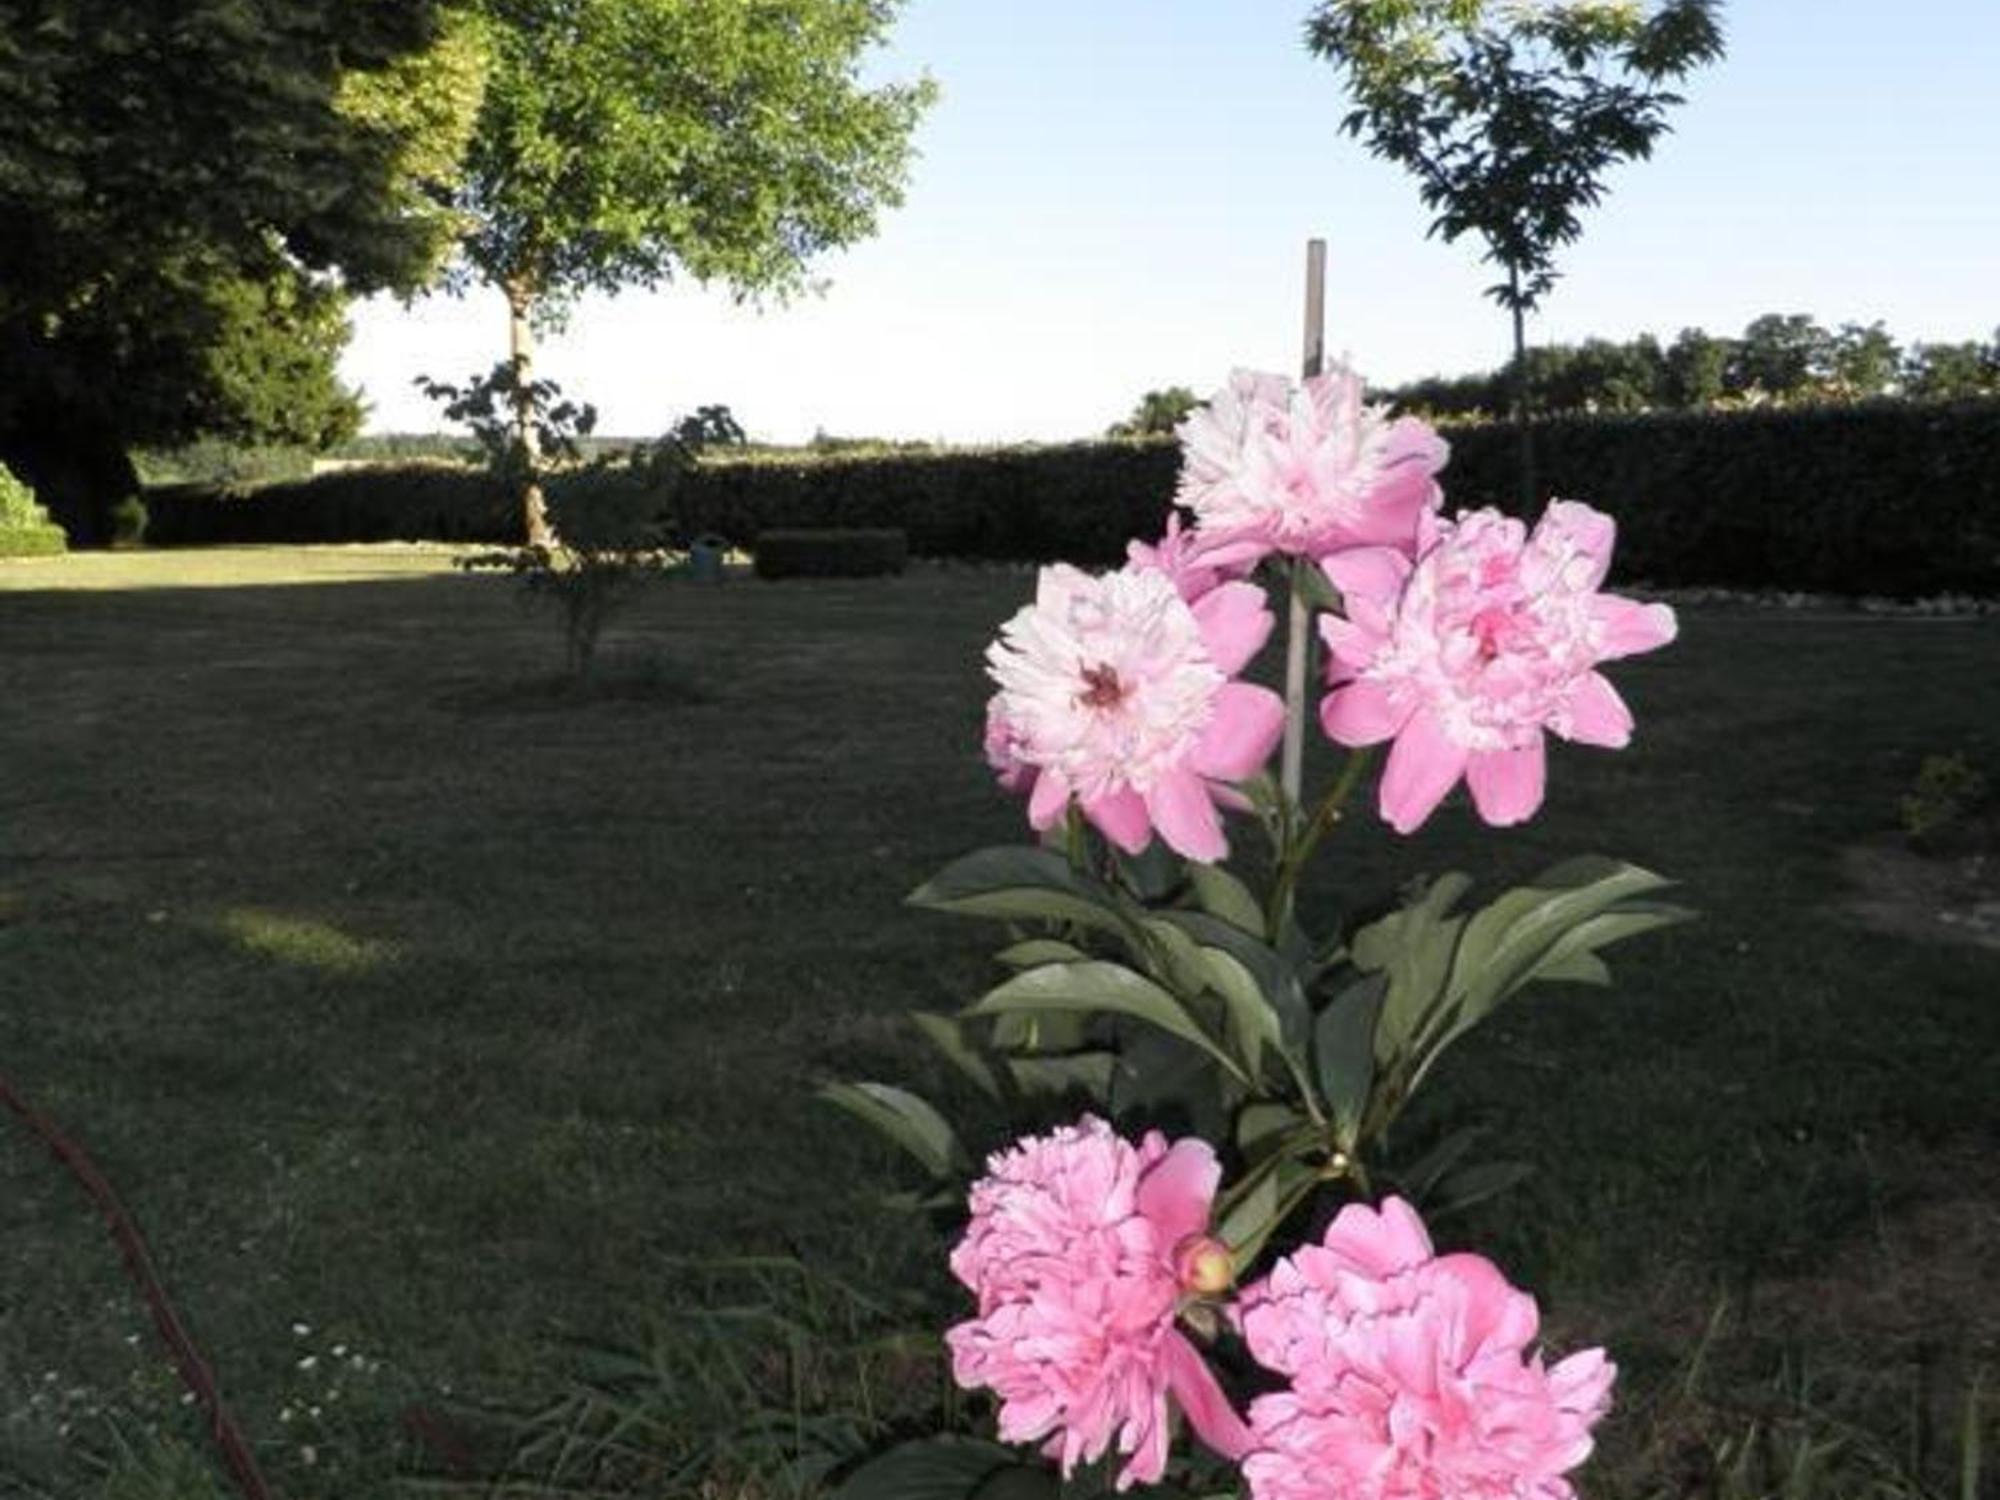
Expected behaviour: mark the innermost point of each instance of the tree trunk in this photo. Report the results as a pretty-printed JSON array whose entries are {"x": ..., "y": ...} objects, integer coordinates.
[
  {"x": 527, "y": 444},
  {"x": 1522, "y": 425}
]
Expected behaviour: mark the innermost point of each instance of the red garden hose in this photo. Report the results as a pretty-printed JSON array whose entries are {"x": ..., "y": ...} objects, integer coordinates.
[{"x": 194, "y": 1373}]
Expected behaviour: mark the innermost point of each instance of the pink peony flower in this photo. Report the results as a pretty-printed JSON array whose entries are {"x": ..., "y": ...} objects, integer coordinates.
[
  {"x": 1464, "y": 657},
  {"x": 1307, "y": 470},
  {"x": 1075, "y": 1253},
  {"x": 1116, "y": 691},
  {"x": 1410, "y": 1376},
  {"x": 1196, "y": 563}
]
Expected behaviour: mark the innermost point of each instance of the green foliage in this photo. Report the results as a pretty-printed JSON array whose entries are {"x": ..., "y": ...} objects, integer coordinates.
[
  {"x": 1783, "y": 359},
  {"x": 867, "y": 553},
  {"x": 1510, "y": 116},
  {"x": 1876, "y": 498},
  {"x": 1947, "y": 791},
  {"x": 216, "y": 461},
  {"x": 1157, "y": 414},
  {"x": 613, "y": 517},
  {"x": 180, "y": 185},
  {"x": 626, "y": 141},
  {"x": 763, "y": 1377},
  {"x": 1177, "y": 994},
  {"x": 25, "y": 527}
]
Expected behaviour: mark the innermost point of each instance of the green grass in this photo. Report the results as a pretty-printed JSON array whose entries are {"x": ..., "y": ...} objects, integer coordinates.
[{"x": 413, "y": 997}]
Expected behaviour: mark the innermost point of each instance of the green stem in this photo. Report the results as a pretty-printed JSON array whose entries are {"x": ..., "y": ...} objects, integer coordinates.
[
  {"x": 1076, "y": 840},
  {"x": 1294, "y": 860}
]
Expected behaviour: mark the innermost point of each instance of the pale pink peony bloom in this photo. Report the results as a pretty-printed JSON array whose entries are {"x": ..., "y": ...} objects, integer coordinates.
[
  {"x": 1075, "y": 1253},
  {"x": 1410, "y": 1374},
  {"x": 1307, "y": 470},
  {"x": 1195, "y": 562},
  {"x": 1466, "y": 656},
  {"x": 1117, "y": 692}
]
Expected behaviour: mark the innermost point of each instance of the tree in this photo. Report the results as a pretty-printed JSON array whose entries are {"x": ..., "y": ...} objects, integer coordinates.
[
  {"x": 1952, "y": 372},
  {"x": 1509, "y": 117},
  {"x": 1781, "y": 356},
  {"x": 188, "y": 193},
  {"x": 1158, "y": 413},
  {"x": 627, "y": 142},
  {"x": 1696, "y": 367}
]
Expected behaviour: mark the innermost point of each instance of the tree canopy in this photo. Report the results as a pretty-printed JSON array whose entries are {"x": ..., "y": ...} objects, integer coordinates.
[
  {"x": 1509, "y": 115},
  {"x": 630, "y": 142},
  {"x": 1778, "y": 359},
  {"x": 189, "y": 191}
]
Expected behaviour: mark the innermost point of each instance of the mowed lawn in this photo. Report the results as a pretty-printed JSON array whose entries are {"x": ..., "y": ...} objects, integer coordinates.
[{"x": 409, "y": 997}]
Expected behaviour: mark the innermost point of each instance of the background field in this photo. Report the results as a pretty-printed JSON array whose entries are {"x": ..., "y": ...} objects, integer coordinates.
[{"x": 414, "y": 998}]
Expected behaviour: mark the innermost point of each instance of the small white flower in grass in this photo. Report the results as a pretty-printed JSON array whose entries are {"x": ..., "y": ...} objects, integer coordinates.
[
  {"x": 300, "y": 1330},
  {"x": 311, "y": 1361},
  {"x": 340, "y": 1351},
  {"x": 308, "y": 1455}
]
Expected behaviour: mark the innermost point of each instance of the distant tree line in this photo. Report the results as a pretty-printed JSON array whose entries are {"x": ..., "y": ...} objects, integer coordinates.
[{"x": 1778, "y": 359}]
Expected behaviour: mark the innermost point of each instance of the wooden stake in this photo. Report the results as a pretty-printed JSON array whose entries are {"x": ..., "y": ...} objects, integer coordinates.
[{"x": 1298, "y": 639}]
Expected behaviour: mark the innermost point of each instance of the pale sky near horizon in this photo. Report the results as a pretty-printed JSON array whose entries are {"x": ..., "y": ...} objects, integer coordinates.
[{"x": 1114, "y": 195}]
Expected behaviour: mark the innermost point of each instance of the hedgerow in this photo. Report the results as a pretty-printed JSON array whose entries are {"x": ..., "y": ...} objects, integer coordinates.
[{"x": 1885, "y": 498}]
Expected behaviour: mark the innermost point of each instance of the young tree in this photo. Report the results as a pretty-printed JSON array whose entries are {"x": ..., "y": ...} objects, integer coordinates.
[
  {"x": 1509, "y": 115},
  {"x": 187, "y": 192},
  {"x": 1157, "y": 413},
  {"x": 626, "y": 142}
]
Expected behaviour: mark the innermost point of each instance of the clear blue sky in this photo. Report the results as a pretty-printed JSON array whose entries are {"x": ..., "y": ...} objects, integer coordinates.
[{"x": 1115, "y": 194}]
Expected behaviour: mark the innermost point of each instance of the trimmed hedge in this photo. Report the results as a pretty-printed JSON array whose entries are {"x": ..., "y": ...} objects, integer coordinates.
[
  {"x": 25, "y": 527},
  {"x": 1887, "y": 498},
  {"x": 831, "y": 554}
]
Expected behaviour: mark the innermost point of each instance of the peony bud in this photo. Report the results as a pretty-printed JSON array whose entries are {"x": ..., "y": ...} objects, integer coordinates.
[{"x": 1203, "y": 1265}]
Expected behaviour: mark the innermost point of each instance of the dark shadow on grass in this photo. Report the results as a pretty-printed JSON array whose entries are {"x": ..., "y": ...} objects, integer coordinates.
[{"x": 634, "y": 679}]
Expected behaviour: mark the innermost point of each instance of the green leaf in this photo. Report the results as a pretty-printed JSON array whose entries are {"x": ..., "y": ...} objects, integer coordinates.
[
  {"x": 1344, "y": 1053},
  {"x": 1549, "y": 928},
  {"x": 1033, "y": 952},
  {"x": 1088, "y": 1073},
  {"x": 1414, "y": 947},
  {"x": 1263, "y": 1122},
  {"x": 1154, "y": 873},
  {"x": 935, "y": 1468},
  {"x": 1018, "y": 883},
  {"x": 905, "y": 1119},
  {"x": 1317, "y": 589},
  {"x": 1096, "y": 987},
  {"x": 1277, "y": 976},
  {"x": 1172, "y": 957},
  {"x": 1222, "y": 895},
  {"x": 947, "y": 1034},
  {"x": 1253, "y": 1023},
  {"x": 1251, "y": 1215}
]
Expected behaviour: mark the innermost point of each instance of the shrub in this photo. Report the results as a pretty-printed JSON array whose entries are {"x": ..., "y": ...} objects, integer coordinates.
[
  {"x": 1897, "y": 498},
  {"x": 831, "y": 554},
  {"x": 25, "y": 528}
]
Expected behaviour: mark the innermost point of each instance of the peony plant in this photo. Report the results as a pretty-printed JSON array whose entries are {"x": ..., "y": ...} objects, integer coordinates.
[{"x": 1264, "y": 1284}]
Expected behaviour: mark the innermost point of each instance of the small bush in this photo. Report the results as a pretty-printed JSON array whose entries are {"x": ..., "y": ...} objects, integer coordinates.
[
  {"x": 831, "y": 554},
  {"x": 1943, "y": 804},
  {"x": 25, "y": 528}
]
